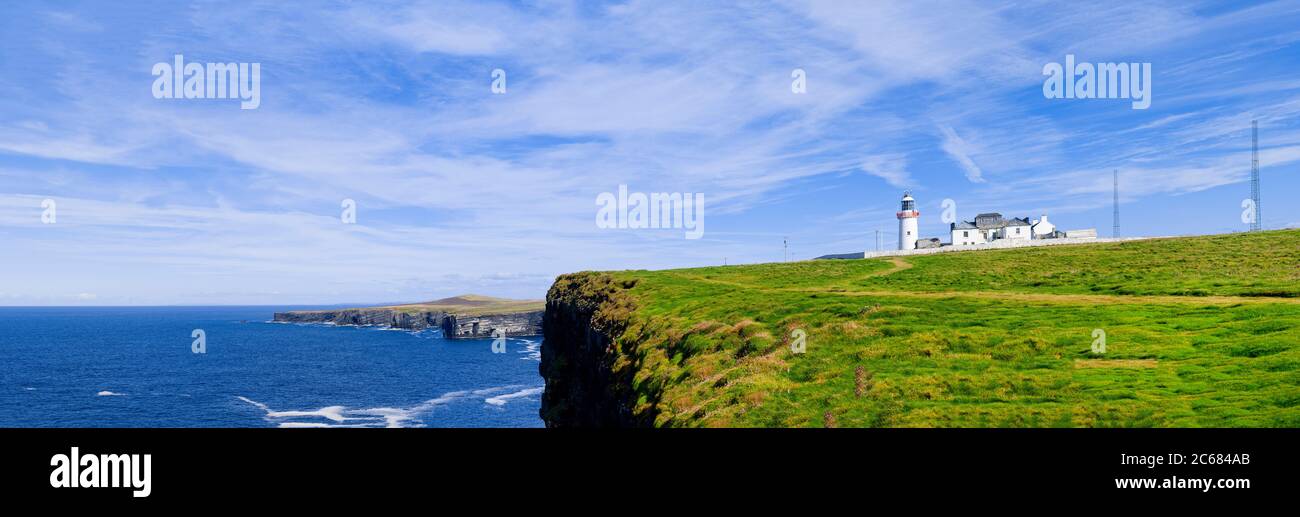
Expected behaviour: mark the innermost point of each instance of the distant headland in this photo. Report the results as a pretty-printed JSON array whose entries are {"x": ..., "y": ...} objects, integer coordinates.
[{"x": 464, "y": 316}]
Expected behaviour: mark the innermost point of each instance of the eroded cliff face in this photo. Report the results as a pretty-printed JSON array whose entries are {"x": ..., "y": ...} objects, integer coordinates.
[
  {"x": 378, "y": 317},
  {"x": 520, "y": 324},
  {"x": 453, "y": 326},
  {"x": 589, "y": 375}
]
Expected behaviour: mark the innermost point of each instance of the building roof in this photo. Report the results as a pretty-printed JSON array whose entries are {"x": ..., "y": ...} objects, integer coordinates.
[
  {"x": 963, "y": 225},
  {"x": 989, "y": 220},
  {"x": 1017, "y": 221}
]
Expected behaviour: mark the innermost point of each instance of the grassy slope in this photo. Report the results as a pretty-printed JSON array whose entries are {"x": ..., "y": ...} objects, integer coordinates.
[{"x": 1201, "y": 331}]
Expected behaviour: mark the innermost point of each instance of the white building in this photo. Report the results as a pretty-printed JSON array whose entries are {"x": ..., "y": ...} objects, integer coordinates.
[
  {"x": 907, "y": 227},
  {"x": 988, "y": 228},
  {"x": 1042, "y": 228}
]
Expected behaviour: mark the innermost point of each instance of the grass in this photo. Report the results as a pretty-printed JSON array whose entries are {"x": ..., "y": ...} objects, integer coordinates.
[{"x": 1200, "y": 332}]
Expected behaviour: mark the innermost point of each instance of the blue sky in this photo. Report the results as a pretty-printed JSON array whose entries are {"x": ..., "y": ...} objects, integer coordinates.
[{"x": 166, "y": 201}]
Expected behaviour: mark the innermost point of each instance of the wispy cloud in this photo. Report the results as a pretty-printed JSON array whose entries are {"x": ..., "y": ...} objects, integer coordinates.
[
  {"x": 460, "y": 189},
  {"x": 890, "y": 167},
  {"x": 960, "y": 151}
]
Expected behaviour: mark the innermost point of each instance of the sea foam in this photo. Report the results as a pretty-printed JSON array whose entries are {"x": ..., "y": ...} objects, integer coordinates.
[
  {"x": 501, "y": 400},
  {"x": 342, "y": 416}
]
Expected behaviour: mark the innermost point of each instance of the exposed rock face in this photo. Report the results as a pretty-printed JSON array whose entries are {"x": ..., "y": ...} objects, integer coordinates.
[
  {"x": 519, "y": 324},
  {"x": 472, "y": 322},
  {"x": 588, "y": 377},
  {"x": 378, "y": 317}
]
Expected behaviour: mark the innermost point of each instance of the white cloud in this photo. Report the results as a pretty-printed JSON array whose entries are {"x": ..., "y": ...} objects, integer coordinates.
[
  {"x": 459, "y": 28},
  {"x": 960, "y": 151},
  {"x": 890, "y": 167}
]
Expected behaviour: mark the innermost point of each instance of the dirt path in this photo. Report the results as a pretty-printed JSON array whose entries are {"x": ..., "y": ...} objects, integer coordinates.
[{"x": 899, "y": 265}]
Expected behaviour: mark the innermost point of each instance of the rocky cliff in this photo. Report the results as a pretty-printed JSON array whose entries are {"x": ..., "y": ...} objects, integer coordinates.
[
  {"x": 589, "y": 376},
  {"x": 518, "y": 324},
  {"x": 466, "y": 316},
  {"x": 377, "y": 316}
]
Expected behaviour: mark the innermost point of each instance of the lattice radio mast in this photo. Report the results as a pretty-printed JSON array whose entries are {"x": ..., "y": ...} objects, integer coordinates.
[
  {"x": 1115, "y": 230},
  {"x": 1258, "y": 223}
]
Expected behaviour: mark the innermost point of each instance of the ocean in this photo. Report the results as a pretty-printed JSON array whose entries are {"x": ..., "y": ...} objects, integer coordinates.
[{"x": 135, "y": 367}]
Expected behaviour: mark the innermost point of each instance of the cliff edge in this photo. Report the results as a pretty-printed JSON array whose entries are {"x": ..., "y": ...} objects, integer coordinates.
[{"x": 589, "y": 377}]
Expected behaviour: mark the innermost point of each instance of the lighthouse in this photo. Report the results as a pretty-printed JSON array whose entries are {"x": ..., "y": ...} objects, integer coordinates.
[{"x": 907, "y": 223}]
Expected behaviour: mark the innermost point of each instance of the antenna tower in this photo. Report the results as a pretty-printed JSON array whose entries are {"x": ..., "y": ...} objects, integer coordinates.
[{"x": 1254, "y": 175}]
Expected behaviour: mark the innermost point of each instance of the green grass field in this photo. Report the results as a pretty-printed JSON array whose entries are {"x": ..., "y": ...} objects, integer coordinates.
[
  {"x": 472, "y": 305},
  {"x": 1200, "y": 332}
]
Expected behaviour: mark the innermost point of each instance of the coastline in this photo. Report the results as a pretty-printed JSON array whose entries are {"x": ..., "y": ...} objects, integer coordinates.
[{"x": 461, "y": 317}]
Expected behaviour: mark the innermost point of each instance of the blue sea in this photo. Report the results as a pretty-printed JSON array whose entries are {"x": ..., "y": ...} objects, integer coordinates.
[{"x": 135, "y": 367}]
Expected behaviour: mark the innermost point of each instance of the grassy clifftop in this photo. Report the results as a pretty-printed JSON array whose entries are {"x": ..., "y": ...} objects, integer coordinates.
[
  {"x": 1199, "y": 331},
  {"x": 472, "y": 305}
]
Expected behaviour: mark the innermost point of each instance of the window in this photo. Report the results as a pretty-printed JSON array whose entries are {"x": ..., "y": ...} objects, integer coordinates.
[
  {"x": 1017, "y": 230},
  {"x": 965, "y": 234}
]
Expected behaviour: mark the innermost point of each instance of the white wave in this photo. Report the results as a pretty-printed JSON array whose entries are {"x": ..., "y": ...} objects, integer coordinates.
[
  {"x": 488, "y": 391},
  {"x": 341, "y": 416},
  {"x": 501, "y": 400},
  {"x": 533, "y": 349},
  {"x": 288, "y": 425},
  {"x": 255, "y": 403},
  {"x": 107, "y": 393},
  {"x": 28, "y": 388},
  {"x": 300, "y": 425},
  {"x": 398, "y": 417},
  {"x": 333, "y": 413}
]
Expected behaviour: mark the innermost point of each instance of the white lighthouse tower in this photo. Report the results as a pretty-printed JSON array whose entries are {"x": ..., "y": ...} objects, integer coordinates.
[{"x": 907, "y": 223}]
